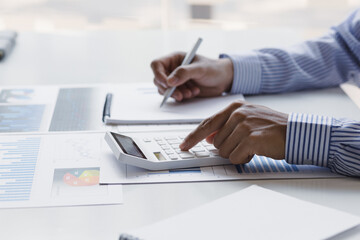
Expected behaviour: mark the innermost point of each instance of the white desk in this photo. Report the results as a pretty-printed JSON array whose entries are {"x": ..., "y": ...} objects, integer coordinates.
[{"x": 116, "y": 57}]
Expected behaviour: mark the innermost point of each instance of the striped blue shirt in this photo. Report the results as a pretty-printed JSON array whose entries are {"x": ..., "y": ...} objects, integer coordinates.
[{"x": 323, "y": 62}]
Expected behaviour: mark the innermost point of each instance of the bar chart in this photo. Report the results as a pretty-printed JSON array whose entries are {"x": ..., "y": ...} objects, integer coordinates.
[
  {"x": 17, "y": 167},
  {"x": 21, "y": 118},
  {"x": 16, "y": 95}
]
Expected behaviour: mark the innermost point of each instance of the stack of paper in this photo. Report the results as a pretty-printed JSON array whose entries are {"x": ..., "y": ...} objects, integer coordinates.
[{"x": 253, "y": 213}]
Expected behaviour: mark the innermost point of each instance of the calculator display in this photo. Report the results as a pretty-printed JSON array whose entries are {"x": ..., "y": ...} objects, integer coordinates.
[{"x": 128, "y": 145}]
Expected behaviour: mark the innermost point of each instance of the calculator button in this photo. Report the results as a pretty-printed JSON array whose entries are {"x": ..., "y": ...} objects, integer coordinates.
[
  {"x": 176, "y": 141},
  {"x": 182, "y": 136},
  {"x": 215, "y": 152},
  {"x": 169, "y": 151},
  {"x": 175, "y": 146},
  {"x": 198, "y": 149},
  {"x": 186, "y": 155},
  {"x": 173, "y": 157},
  {"x": 157, "y": 139},
  {"x": 170, "y": 138},
  {"x": 161, "y": 143},
  {"x": 211, "y": 148},
  {"x": 147, "y": 140},
  {"x": 165, "y": 147},
  {"x": 202, "y": 154}
]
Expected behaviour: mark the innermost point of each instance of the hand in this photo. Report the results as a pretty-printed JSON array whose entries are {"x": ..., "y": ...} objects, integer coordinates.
[
  {"x": 204, "y": 77},
  {"x": 242, "y": 130}
]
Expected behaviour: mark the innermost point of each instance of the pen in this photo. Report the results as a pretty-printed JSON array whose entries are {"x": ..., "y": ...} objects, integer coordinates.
[
  {"x": 7, "y": 42},
  {"x": 187, "y": 60},
  {"x": 107, "y": 106}
]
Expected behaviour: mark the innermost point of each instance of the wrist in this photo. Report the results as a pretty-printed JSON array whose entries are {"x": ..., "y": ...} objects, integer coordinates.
[{"x": 227, "y": 74}]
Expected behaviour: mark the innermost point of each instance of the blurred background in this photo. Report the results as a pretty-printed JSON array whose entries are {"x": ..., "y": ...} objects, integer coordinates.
[{"x": 309, "y": 17}]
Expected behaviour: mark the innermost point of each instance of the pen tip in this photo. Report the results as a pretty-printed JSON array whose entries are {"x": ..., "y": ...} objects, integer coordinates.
[{"x": 163, "y": 101}]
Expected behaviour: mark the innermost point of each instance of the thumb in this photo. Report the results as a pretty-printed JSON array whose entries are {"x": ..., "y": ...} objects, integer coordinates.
[{"x": 182, "y": 74}]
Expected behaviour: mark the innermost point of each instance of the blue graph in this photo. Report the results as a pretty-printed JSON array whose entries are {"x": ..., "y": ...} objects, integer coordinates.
[
  {"x": 20, "y": 118},
  {"x": 16, "y": 95},
  {"x": 261, "y": 164},
  {"x": 177, "y": 171},
  {"x": 17, "y": 168}
]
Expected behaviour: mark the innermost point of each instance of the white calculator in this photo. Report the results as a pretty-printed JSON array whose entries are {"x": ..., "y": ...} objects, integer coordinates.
[{"x": 160, "y": 151}]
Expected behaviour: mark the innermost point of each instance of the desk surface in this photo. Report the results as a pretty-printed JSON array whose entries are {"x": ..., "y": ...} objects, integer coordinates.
[{"x": 57, "y": 59}]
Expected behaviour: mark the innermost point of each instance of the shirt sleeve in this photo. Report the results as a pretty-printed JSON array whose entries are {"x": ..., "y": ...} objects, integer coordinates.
[
  {"x": 325, "y": 142},
  {"x": 323, "y": 62}
]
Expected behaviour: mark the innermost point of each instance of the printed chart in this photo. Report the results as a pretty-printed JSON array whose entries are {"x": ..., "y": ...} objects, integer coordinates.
[
  {"x": 21, "y": 118},
  {"x": 16, "y": 95},
  {"x": 17, "y": 168},
  {"x": 78, "y": 109},
  {"x": 29, "y": 176}
]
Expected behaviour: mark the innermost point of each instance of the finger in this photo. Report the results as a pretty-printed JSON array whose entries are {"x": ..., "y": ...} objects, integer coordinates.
[
  {"x": 161, "y": 89},
  {"x": 185, "y": 91},
  {"x": 195, "y": 90},
  {"x": 235, "y": 118},
  {"x": 232, "y": 141},
  {"x": 210, "y": 138},
  {"x": 177, "y": 95},
  {"x": 159, "y": 71},
  {"x": 183, "y": 74},
  {"x": 208, "y": 126},
  {"x": 160, "y": 83},
  {"x": 242, "y": 153}
]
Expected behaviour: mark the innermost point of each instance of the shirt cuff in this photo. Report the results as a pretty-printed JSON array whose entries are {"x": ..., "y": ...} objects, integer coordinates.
[
  {"x": 247, "y": 73},
  {"x": 308, "y": 139}
]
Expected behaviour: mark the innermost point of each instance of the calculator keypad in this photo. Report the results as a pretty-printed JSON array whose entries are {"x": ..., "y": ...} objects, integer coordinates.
[{"x": 170, "y": 147}]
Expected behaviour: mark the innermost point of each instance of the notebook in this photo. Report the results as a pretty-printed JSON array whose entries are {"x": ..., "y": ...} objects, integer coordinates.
[
  {"x": 252, "y": 213},
  {"x": 140, "y": 104}
]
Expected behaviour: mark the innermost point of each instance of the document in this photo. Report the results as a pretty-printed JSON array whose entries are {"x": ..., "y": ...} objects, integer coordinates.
[
  {"x": 52, "y": 108},
  {"x": 140, "y": 104},
  {"x": 353, "y": 91},
  {"x": 53, "y": 169},
  {"x": 252, "y": 213},
  {"x": 26, "y": 109}
]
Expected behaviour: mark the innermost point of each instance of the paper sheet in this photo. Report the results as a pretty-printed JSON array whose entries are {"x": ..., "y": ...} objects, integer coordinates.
[
  {"x": 51, "y": 108},
  {"x": 140, "y": 104},
  {"x": 353, "y": 91},
  {"x": 26, "y": 109},
  {"x": 252, "y": 213},
  {"x": 49, "y": 169},
  {"x": 114, "y": 172}
]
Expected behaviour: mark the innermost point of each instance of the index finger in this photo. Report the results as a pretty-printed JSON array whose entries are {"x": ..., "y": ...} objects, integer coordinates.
[
  {"x": 163, "y": 66},
  {"x": 208, "y": 126},
  {"x": 159, "y": 73}
]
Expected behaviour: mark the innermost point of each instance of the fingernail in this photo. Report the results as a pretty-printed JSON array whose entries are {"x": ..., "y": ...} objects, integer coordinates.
[
  {"x": 196, "y": 91},
  {"x": 177, "y": 96},
  {"x": 182, "y": 145},
  {"x": 164, "y": 85},
  {"x": 173, "y": 80}
]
